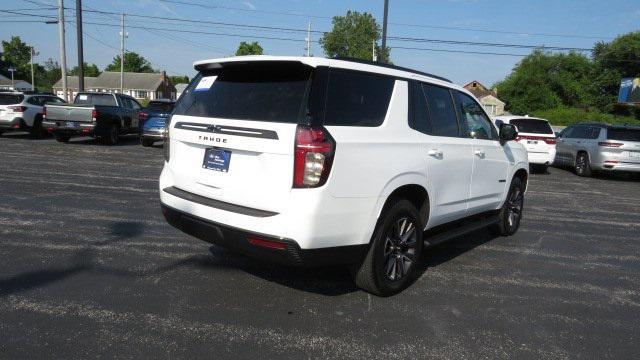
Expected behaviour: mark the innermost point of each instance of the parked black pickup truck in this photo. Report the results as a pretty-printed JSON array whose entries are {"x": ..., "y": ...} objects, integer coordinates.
[{"x": 101, "y": 115}]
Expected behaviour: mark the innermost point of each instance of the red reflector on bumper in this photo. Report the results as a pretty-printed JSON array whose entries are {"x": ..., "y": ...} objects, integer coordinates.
[{"x": 270, "y": 244}]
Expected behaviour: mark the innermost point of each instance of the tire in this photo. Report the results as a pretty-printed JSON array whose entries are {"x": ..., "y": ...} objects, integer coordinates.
[
  {"x": 37, "y": 132},
  {"x": 583, "y": 166},
  {"x": 511, "y": 211},
  {"x": 112, "y": 135},
  {"x": 62, "y": 138},
  {"x": 146, "y": 142},
  {"x": 396, "y": 247}
]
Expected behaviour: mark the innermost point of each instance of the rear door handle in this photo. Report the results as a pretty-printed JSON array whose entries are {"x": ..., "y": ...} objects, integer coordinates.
[{"x": 435, "y": 152}]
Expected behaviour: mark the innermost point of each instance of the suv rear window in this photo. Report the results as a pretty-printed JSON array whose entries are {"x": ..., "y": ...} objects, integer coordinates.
[
  {"x": 95, "y": 99},
  {"x": 357, "y": 98},
  {"x": 533, "y": 126},
  {"x": 11, "y": 99},
  {"x": 622, "y": 134},
  {"x": 260, "y": 92}
]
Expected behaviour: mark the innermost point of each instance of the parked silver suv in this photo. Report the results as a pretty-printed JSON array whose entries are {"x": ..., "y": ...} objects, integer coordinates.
[{"x": 591, "y": 147}]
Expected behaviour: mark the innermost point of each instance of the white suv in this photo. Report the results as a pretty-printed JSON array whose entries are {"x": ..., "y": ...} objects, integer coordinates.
[
  {"x": 308, "y": 160},
  {"x": 537, "y": 136},
  {"x": 22, "y": 111}
]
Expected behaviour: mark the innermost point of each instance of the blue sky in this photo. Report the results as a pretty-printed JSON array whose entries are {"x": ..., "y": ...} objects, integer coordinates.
[{"x": 592, "y": 20}]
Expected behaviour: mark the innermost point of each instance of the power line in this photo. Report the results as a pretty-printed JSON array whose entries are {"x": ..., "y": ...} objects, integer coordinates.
[
  {"x": 441, "y": 27},
  {"x": 458, "y": 51}
]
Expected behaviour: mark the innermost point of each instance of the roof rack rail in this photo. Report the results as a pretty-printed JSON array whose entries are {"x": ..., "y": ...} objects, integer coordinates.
[{"x": 389, "y": 66}]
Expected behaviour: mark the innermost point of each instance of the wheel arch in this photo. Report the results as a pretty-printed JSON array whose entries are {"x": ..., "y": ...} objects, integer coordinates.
[{"x": 407, "y": 186}]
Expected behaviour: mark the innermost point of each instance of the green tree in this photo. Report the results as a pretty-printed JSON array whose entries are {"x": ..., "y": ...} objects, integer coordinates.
[
  {"x": 89, "y": 70},
  {"x": 613, "y": 61},
  {"x": 48, "y": 75},
  {"x": 545, "y": 80},
  {"x": 353, "y": 35},
  {"x": 249, "y": 49},
  {"x": 133, "y": 62},
  {"x": 16, "y": 54},
  {"x": 182, "y": 79}
]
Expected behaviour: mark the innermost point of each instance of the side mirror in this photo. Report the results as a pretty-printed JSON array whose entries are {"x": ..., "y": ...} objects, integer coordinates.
[{"x": 508, "y": 132}]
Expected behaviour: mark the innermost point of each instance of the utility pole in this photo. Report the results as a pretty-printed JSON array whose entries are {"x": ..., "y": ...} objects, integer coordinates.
[
  {"x": 122, "y": 36},
  {"x": 307, "y": 46},
  {"x": 384, "y": 25},
  {"x": 63, "y": 52},
  {"x": 79, "y": 40},
  {"x": 33, "y": 79},
  {"x": 12, "y": 70},
  {"x": 374, "y": 56}
]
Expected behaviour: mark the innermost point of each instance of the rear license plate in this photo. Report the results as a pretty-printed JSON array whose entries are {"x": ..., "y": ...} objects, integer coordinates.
[
  {"x": 532, "y": 142},
  {"x": 71, "y": 124},
  {"x": 216, "y": 159}
]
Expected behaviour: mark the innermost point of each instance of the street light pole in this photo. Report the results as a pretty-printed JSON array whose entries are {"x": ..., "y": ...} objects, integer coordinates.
[
  {"x": 79, "y": 40},
  {"x": 384, "y": 26},
  {"x": 33, "y": 79},
  {"x": 63, "y": 52},
  {"x": 12, "y": 70}
]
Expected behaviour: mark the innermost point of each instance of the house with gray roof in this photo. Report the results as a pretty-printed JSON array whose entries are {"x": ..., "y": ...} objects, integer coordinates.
[
  {"x": 148, "y": 86},
  {"x": 17, "y": 85}
]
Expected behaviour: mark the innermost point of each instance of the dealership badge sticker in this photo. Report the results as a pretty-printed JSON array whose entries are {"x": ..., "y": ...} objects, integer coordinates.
[{"x": 205, "y": 83}]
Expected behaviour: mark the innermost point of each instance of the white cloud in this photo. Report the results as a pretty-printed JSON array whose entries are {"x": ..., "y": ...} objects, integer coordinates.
[{"x": 249, "y": 5}]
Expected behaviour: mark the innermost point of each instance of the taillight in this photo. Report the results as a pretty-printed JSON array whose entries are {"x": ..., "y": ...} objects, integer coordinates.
[
  {"x": 550, "y": 141},
  {"x": 94, "y": 115},
  {"x": 17, "y": 108},
  {"x": 314, "y": 152},
  {"x": 143, "y": 116},
  {"x": 610, "y": 144}
]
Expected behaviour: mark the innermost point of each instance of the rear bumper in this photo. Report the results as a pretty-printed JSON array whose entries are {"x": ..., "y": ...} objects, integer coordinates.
[
  {"x": 60, "y": 127},
  {"x": 619, "y": 166},
  {"x": 154, "y": 134},
  {"x": 237, "y": 240},
  {"x": 541, "y": 158},
  {"x": 15, "y": 124}
]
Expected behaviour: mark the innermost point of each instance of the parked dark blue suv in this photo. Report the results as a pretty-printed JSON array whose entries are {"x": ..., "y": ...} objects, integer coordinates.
[{"x": 152, "y": 120}]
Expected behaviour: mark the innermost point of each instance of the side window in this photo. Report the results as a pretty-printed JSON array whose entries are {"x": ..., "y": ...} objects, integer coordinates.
[
  {"x": 357, "y": 99},
  {"x": 567, "y": 132},
  {"x": 594, "y": 133},
  {"x": 477, "y": 123},
  {"x": 441, "y": 110},
  {"x": 420, "y": 120},
  {"x": 580, "y": 132},
  {"x": 126, "y": 102},
  {"x": 135, "y": 105},
  {"x": 35, "y": 100}
]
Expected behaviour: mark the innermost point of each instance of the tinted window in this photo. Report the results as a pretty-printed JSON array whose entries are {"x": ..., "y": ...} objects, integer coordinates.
[
  {"x": 11, "y": 99},
  {"x": 593, "y": 133},
  {"x": 441, "y": 111},
  {"x": 95, "y": 99},
  {"x": 623, "y": 134},
  {"x": 357, "y": 99},
  {"x": 161, "y": 107},
  {"x": 134, "y": 104},
  {"x": 261, "y": 92},
  {"x": 420, "y": 120},
  {"x": 478, "y": 124},
  {"x": 533, "y": 126},
  {"x": 579, "y": 132},
  {"x": 34, "y": 100}
]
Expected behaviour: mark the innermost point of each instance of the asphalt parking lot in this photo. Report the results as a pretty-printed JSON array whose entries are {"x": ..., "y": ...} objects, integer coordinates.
[{"x": 90, "y": 269}]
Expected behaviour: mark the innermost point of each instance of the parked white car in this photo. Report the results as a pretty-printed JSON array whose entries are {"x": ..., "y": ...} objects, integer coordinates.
[
  {"x": 536, "y": 135},
  {"x": 308, "y": 160},
  {"x": 23, "y": 111}
]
